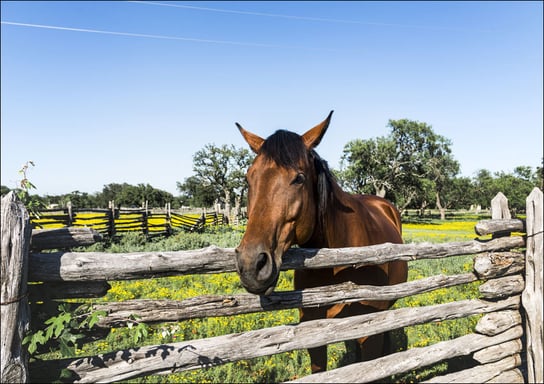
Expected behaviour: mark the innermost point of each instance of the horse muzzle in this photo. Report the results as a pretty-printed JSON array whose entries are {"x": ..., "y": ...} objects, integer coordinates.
[{"x": 257, "y": 270}]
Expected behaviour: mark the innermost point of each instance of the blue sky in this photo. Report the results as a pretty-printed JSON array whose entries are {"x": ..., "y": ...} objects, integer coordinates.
[{"x": 102, "y": 92}]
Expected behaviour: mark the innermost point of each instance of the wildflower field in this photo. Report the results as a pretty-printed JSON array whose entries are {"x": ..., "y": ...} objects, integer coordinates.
[{"x": 285, "y": 366}]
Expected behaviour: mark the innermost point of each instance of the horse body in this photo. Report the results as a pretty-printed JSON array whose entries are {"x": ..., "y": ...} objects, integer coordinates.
[
  {"x": 294, "y": 199},
  {"x": 369, "y": 220}
]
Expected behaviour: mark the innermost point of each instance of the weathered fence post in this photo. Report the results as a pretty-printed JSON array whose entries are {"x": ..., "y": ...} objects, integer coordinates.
[
  {"x": 16, "y": 232},
  {"x": 111, "y": 222},
  {"x": 70, "y": 214},
  {"x": 532, "y": 294},
  {"x": 499, "y": 207},
  {"x": 499, "y": 211}
]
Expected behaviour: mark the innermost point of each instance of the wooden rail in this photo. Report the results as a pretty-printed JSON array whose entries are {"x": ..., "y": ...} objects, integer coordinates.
[{"x": 506, "y": 297}]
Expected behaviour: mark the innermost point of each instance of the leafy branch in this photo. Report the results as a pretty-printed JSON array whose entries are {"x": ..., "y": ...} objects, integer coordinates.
[
  {"x": 140, "y": 330},
  {"x": 64, "y": 328},
  {"x": 32, "y": 203}
]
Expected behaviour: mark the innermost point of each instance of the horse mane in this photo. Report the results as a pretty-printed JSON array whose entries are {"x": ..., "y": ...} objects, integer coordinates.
[
  {"x": 325, "y": 190},
  {"x": 287, "y": 149}
]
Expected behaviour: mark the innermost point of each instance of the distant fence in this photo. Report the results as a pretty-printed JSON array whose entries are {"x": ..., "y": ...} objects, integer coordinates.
[
  {"x": 506, "y": 344},
  {"x": 119, "y": 220}
]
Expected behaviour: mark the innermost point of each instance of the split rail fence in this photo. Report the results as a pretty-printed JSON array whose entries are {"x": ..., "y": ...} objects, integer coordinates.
[
  {"x": 506, "y": 343},
  {"x": 119, "y": 220}
]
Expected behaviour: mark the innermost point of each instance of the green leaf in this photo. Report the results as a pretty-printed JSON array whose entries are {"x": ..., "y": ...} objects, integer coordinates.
[
  {"x": 95, "y": 318},
  {"x": 57, "y": 325},
  {"x": 140, "y": 332},
  {"x": 65, "y": 349},
  {"x": 34, "y": 340},
  {"x": 65, "y": 374}
]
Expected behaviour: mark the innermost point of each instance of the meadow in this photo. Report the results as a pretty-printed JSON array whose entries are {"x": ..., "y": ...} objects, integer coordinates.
[{"x": 284, "y": 366}]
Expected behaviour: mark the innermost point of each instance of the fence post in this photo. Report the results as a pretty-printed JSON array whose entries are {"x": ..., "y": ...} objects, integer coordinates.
[
  {"x": 112, "y": 218},
  {"x": 499, "y": 207},
  {"x": 70, "y": 214},
  {"x": 532, "y": 294},
  {"x": 16, "y": 232},
  {"x": 168, "y": 219},
  {"x": 499, "y": 210}
]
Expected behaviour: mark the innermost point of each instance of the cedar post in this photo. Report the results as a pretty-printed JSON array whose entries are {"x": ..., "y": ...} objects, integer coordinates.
[
  {"x": 168, "y": 219},
  {"x": 499, "y": 207},
  {"x": 111, "y": 221},
  {"x": 16, "y": 232},
  {"x": 500, "y": 210},
  {"x": 70, "y": 214},
  {"x": 532, "y": 294}
]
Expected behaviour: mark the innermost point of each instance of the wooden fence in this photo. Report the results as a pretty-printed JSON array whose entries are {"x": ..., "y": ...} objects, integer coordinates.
[
  {"x": 507, "y": 341},
  {"x": 118, "y": 220}
]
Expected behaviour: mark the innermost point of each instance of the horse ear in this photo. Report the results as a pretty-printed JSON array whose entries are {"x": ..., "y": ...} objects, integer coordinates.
[
  {"x": 255, "y": 142},
  {"x": 313, "y": 137}
]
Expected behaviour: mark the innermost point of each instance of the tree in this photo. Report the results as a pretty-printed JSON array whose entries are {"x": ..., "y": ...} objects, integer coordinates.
[
  {"x": 516, "y": 186},
  {"x": 220, "y": 171},
  {"x": 441, "y": 169},
  {"x": 422, "y": 154},
  {"x": 80, "y": 199},
  {"x": 128, "y": 195},
  {"x": 194, "y": 193},
  {"x": 539, "y": 175},
  {"x": 405, "y": 166},
  {"x": 371, "y": 166}
]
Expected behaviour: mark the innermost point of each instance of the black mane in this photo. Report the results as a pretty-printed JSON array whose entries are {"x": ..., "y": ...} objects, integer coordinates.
[{"x": 285, "y": 148}]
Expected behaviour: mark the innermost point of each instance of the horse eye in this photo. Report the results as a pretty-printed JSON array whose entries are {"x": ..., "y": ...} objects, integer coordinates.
[{"x": 299, "y": 179}]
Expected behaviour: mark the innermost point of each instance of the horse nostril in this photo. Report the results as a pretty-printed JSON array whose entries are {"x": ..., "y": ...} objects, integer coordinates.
[{"x": 262, "y": 259}]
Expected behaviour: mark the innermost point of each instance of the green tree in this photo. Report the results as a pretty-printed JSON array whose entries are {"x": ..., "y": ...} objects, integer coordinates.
[
  {"x": 516, "y": 186},
  {"x": 196, "y": 194},
  {"x": 422, "y": 155},
  {"x": 539, "y": 175},
  {"x": 406, "y": 166},
  {"x": 128, "y": 195},
  {"x": 441, "y": 169},
  {"x": 369, "y": 166},
  {"x": 221, "y": 172},
  {"x": 81, "y": 199},
  {"x": 483, "y": 187}
]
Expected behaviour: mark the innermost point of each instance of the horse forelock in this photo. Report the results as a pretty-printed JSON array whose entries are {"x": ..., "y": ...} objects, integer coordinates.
[{"x": 285, "y": 148}]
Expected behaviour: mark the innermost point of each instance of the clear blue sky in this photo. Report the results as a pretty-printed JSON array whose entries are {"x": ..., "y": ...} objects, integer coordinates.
[{"x": 134, "y": 104}]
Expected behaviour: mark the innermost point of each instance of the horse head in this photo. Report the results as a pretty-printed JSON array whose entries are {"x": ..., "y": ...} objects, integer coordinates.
[{"x": 282, "y": 209}]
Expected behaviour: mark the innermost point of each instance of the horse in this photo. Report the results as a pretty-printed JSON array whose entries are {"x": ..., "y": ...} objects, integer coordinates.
[{"x": 294, "y": 198}]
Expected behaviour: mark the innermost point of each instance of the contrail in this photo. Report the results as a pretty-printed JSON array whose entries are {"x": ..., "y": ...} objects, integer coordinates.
[{"x": 164, "y": 37}]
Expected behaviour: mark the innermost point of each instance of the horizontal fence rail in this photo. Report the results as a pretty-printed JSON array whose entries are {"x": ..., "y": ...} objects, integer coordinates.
[
  {"x": 177, "y": 357},
  {"x": 96, "y": 266}
]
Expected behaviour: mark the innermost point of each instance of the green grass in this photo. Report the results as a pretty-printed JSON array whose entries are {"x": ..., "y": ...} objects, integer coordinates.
[{"x": 285, "y": 366}]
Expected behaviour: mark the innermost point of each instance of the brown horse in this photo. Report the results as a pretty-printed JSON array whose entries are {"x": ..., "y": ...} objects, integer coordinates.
[{"x": 294, "y": 199}]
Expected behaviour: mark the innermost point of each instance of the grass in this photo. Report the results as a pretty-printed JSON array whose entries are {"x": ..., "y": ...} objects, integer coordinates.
[{"x": 285, "y": 366}]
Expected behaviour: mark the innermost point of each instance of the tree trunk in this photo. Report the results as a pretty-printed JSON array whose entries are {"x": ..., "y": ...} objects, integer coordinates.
[
  {"x": 440, "y": 207},
  {"x": 380, "y": 190}
]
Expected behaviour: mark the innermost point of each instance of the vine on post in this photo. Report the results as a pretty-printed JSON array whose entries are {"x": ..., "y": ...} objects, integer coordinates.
[{"x": 32, "y": 203}]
